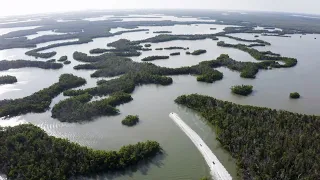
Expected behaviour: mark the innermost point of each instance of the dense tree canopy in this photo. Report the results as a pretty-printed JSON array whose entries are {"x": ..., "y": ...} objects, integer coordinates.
[
  {"x": 78, "y": 108},
  {"x": 263, "y": 55},
  {"x": 175, "y": 54},
  {"x": 243, "y": 90},
  {"x": 6, "y": 65},
  {"x": 8, "y": 79},
  {"x": 152, "y": 58},
  {"x": 27, "y": 152},
  {"x": 268, "y": 144},
  {"x": 198, "y": 52},
  {"x": 63, "y": 58},
  {"x": 294, "y": 95},
  {"x": 130, "y": 120},
  {"x": 41, "y": 100}
]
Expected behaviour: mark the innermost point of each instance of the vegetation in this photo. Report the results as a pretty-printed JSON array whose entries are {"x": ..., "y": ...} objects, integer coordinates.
[
  {"x": 210, "y": 77},
  {"x": 175, "y": 54},
  {"x": 294, "y": 95},
  {"x": 198, "y": 52},
  {"x": 146, "y": 49},
  {"x": 98, "y": 51},
  {"x": 63, "y": 58},
  {"x": 152, "y": 58},
  {"x": 16, "y": 64},
  {"x": 41, "y": 100},
  {"x": 36, "y": 54},
  {"x": 158, "y": 49},
  {"x": 248, "y": 40},
  {"x": 188, "y": 53},
  {"x": 243, "y": 90},
  {"x": 125, "y": 83},
  {"x": 78, "y": 108},
  {"x": 28, "y": 152},
  {"x": 173, "y": 48},
  {"x": 263, "y": 55},
  {"x": 8, "y": 79},
  {"x": 169, "y": 37},
  {"x": 147, "y": 45},
  {"x": 267, "y": 143},
  {"x": 160, "y": 32},
  {"x": 51, "y": 61},
  {"x": 130, "y": 120},
  {"x": 67, "y": 62}
]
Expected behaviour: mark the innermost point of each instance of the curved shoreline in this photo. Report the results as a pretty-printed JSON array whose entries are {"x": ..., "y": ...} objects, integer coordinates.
[{"x": 217, "y": 170}]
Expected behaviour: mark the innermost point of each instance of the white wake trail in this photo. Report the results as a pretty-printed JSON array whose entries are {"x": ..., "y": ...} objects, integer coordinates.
[{"x": 217, "y": 170}]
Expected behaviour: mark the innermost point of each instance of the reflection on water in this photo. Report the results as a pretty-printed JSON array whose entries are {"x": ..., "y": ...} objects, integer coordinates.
[{"x": 153, "y": 103}]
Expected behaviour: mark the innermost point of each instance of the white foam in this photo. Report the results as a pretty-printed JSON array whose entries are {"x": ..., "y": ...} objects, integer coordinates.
[{"x": 217, "y": 170}]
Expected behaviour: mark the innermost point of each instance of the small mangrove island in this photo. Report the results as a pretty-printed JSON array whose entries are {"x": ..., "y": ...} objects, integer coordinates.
[
  {"x": 198, "y": 52},
  {"x": 175, "y": 54},
  {"x": 152, "y": 58},
  {"x": 243, "y": 90},
  {"x": 130, "y": 120},
  {"x": 294, "y": 95},
  {"x": 8, "y": 79}
]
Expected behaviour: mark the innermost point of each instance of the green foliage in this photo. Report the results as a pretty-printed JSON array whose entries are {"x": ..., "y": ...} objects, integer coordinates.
[
  {"x": 63, "y": 58},
  {"x": 36, "y": 54},
  {"x": 170, "y": 37},
  {"x": 158, "y": 49},
  {"x": 210, "y": 77},
  {"x": 6, "y": 65},
  {"x": 51, "y": 61},
  {"x": 41, "y": 100},
  {"x": 188, "y": 53},
  {"x": 67, "y": 62},
  {"x": 147, "y": 45},
  {"x": 27, "y": 152},
  {"x": 267, "y": 143},
  {"x": 263, "y": 55},
  {"x": 173, "y": 48},
  {"x": 152, "y": 58},
  {"x": 243, "y": 90},
  {"x": 160, "y": 32},
  {"x": 175, "y": 54},
  {"x": 98, "y": 51},
  {"x": 78, "y": 108},
  {"x": 198, "y": 52},
  {"x": 130, "y": 120},
  {"x": 294, "y": 95},
  {"x": 248, "y": 40},
  {"x": 8, "y": 79},
  {"x": 125, "y": 83}
]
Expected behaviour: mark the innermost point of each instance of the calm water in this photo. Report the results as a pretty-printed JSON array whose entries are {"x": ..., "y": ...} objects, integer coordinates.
[{"x": 153, "y": 103}]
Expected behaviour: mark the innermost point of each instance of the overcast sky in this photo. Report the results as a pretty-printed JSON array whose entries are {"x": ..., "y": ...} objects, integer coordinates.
[{"x": 18, "y": 7}]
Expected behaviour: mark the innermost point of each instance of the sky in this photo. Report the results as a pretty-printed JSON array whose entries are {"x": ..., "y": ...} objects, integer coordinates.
[{"x": 20, "y": 7}]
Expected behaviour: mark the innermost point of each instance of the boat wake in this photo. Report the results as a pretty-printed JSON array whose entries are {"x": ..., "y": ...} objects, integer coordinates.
[{"x": 217, "y": 170}]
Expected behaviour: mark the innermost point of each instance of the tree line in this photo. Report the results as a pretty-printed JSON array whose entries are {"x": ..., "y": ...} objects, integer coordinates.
[
  {"x": 78, "y": 108},
  {"x": 28, "y": 152},
  {"x": 267, "y": 143},
  {"x": 7, "y": 79},
  {"x": 41, "y": 100}
]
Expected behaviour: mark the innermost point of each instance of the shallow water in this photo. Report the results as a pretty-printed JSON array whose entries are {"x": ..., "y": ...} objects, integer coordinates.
[{"x": 153, "y": 103}]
